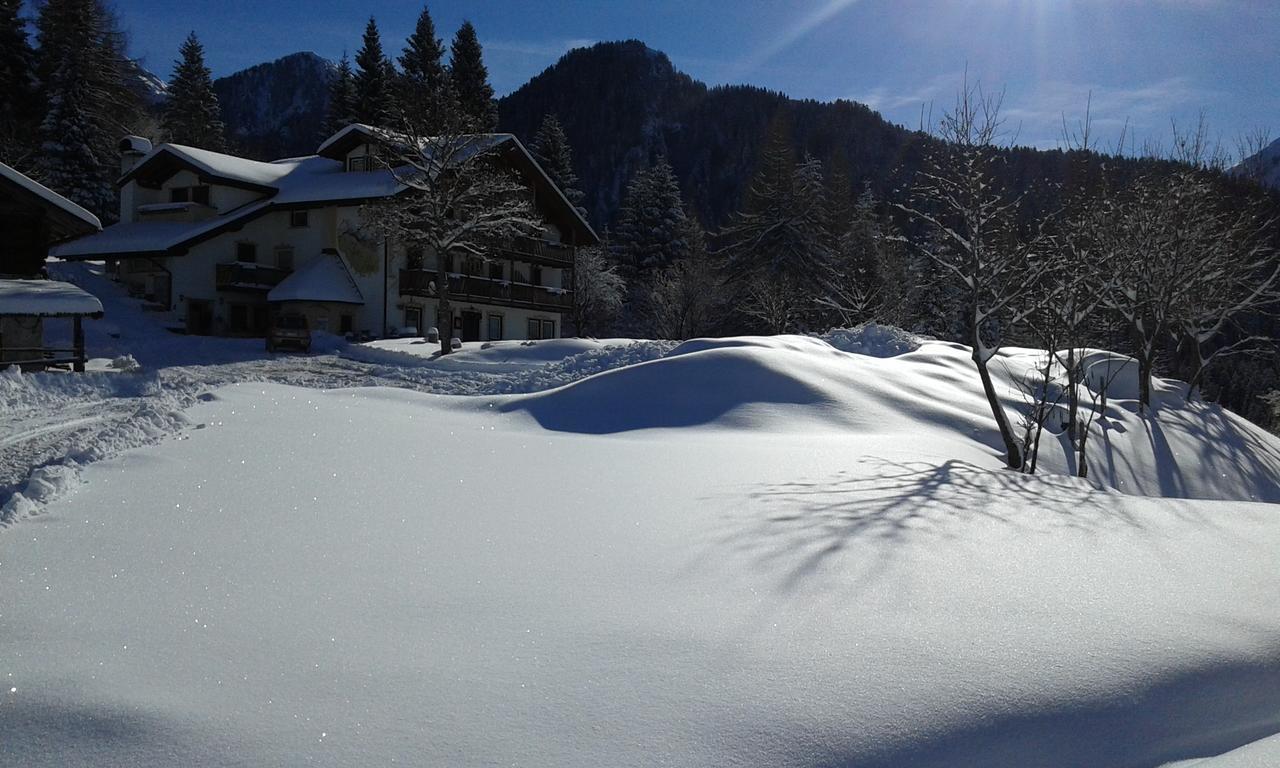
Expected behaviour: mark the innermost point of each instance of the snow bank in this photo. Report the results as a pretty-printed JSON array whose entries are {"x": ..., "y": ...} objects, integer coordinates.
[
  {"x": 301, "y": 582},
  {"x": 510, "y": 355},
  {"x": 872, "y": 339}
]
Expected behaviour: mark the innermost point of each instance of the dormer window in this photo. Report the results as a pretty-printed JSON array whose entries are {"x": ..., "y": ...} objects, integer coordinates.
[
  {"x": 197, "y": 194},
  {"x": 358, "y": 163}
]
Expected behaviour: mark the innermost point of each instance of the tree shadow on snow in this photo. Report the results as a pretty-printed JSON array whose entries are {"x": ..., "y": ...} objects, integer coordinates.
[
  {"x": 1231, "y": 461},
  {"x": 885, "y": 505}
]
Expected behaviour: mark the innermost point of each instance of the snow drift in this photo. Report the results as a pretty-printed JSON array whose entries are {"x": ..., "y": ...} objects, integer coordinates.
[{"x": 800, "y": 383}]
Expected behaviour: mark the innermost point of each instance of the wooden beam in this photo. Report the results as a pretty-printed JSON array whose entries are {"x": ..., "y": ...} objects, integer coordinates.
[{"x": 77, "y": 335}]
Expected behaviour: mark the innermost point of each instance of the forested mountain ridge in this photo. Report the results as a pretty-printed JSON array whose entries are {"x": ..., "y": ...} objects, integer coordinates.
[
  {"x": 623, "y": 103},
  {"x": 276, "y": 109}
]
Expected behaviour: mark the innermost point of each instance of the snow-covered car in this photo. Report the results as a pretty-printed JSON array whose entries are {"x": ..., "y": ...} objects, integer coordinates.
[{"x": 289, "y": 330}]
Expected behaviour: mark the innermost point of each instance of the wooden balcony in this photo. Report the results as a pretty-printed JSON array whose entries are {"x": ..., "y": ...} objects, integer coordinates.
[
  {"x": 483, "y": 290},
  {"x": 244, "y": 276},
  {"x": 536, "y": 251}
]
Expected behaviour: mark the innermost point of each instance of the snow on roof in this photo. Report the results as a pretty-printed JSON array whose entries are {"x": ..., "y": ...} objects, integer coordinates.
[
  {"x": 218, "y": 164},
  {"x": 46, "y": 298},
  {"x": 147, "y": 236},
  {"x": 48, "y": 195},
  {"x": 323, "y": 279},
  {"x": 295, "y": 183}
]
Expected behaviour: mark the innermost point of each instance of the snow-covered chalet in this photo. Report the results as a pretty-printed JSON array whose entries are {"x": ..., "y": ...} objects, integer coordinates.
[{"x": 221, "y": 241}]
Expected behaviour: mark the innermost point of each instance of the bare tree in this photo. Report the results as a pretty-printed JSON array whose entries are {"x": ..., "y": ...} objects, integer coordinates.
[
  {"x": 1251, "y": 162},
  {"x": 960, "y": 197},
  {"x": 1186, "y": 268},
  {"x": 1196, "y": 146},
  {"x": 598, "y": 289},
  {"x": 461, "y": 200}
]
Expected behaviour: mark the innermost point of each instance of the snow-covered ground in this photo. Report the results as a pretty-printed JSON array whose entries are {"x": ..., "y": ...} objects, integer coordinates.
[{"x": 781, "y": 551}]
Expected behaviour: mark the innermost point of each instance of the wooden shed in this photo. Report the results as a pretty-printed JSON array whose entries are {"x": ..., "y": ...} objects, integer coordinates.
[
  {"x": 32, "y": 218},
  {"x": 24, "y": 307}
]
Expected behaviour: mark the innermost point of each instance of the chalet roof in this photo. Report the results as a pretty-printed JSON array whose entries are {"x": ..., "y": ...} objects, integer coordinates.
[
  {"x": 294, "y": 183},
  {"x": 69, "y": 219},
  {"x": 46, "y": 298},
  {"x": 324, "y": 279},
  {"x": 342, "y": 142}
]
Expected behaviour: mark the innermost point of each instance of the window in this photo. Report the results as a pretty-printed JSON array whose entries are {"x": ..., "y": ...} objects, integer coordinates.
[
  {"x": 198, "y": 194},
  {"x": 413, "y": 318},
  {"x": 358, "y": 163},
  {"x": 284, "y": 257},
  {"x": 472, "y": 265},
  {"x": 495, "y": 270},
  {"x": 414, "y": 257},
  {"x": 495, "y": 327},
  {"x": 542, "y": 329},
  {"x": 345, "y": 324},
  {"x": 536, "y": 277},
  {"x": 247, "y": 252},
  {"x": 298, "y": 219}
]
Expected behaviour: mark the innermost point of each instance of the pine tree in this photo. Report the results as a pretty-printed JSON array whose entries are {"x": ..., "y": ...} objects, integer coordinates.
[
  {"x": 375, "y": 99},
  {"x": 81, "y": 64},
  {"x": 341, "y": 109},
  {"x": 652, "y": 232},
  {"x": 551, "y": 150},
  {"x": 469, "y": 81},
  {"x": 19, "y": 102},
  {"x": 192, "y": 115},
  {"x": 424, "y": 82}
]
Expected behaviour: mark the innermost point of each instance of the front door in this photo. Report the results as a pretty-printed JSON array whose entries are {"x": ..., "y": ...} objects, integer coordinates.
[
  {"x": 199, "y": 317},
  {"x": 470, "y": 326}
]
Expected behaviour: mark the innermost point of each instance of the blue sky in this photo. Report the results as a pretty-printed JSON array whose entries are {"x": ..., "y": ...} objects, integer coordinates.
[{"x": 1146, "y": 61}]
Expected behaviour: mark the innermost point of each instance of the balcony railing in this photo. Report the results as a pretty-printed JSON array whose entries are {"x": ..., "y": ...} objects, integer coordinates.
[
  {"x": 539, "y": 251},
  {"x": 417, "y": 282},
  {"x": 245, "y": 276}
]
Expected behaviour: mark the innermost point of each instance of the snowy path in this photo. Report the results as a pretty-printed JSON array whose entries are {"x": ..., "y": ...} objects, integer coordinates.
[{"x": 53, "y": 423}]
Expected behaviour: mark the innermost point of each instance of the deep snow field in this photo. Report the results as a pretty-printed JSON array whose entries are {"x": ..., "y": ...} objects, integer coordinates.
[{"x": 755, "y": 551}]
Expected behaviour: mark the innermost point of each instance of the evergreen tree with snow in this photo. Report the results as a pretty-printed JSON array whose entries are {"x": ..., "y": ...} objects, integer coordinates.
[
  {"x": 82, "y": 65},
  {"x": 469, "y": 82},
  {"x": 780, "y": 246},
  {"x": 652, "y": 231},
  {"x": 424, "y": 81},
  {"x": 341, "y": 109},
  {"x": 192, "y": 115},
  {"x": 19, "y": 101},
  {"x": 551, "y": 150},
  {"x": 374, "y": 80}
]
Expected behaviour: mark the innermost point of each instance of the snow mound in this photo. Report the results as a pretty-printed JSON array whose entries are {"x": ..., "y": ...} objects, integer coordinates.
[
  {"x": 929, "y": 400},
  {"x": 872, "y": 339},
  {"x": 774, "y": 383}
]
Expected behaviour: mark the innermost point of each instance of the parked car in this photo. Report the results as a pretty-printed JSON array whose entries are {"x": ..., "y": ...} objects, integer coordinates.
[{"x": 289, "y": 330}]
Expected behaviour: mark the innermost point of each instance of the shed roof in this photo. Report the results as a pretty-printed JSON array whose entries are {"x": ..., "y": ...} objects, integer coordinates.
[
  {"x": 71, "y": 219},
  {"x": 46, "y": 298},
  {"x": 325, "y": 279}
]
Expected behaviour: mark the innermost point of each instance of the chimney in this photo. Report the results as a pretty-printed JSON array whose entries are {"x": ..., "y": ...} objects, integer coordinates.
[{"x": 132, "y": 149}]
